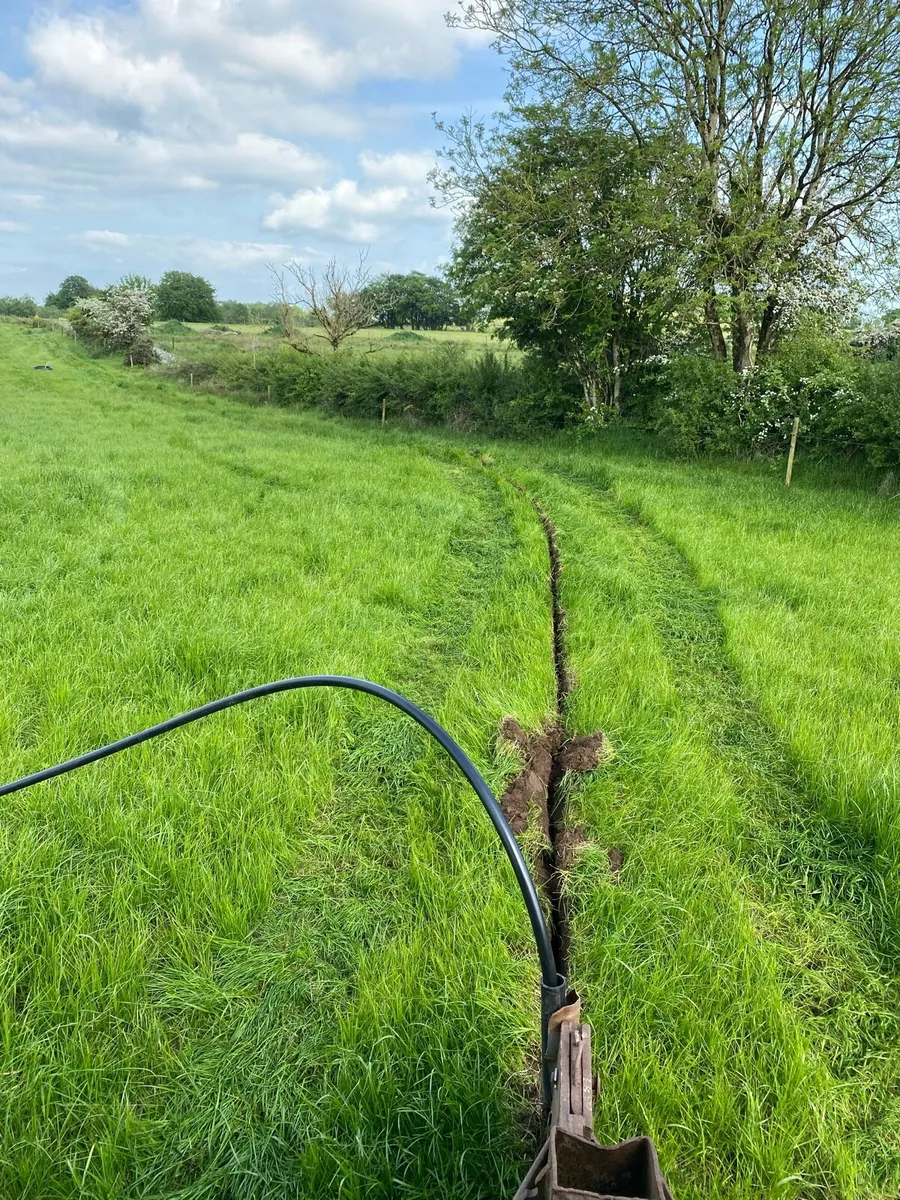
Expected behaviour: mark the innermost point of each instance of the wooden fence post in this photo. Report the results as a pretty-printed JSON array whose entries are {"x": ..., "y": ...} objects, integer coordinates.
[{"x": 790, "y": 466}]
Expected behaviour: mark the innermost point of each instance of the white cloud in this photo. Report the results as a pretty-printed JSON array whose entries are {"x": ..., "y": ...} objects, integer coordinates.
[
  {"x": 85, "y": 55},
  {"x": 202, "y": 109},
  {"x": 190, "y": 58},
  {"x": 23, "y": 199},
  {"x": 13, "y": 95},
  {"x": 11, "y": 227},
  {"x": 407, "y": 167},
  {"x": 84, "y": 151},
  {"x": 105, "y": 239},
  {"x": 269, "y": 158},
  {"x": 343, "y": 211},
  {"x": 292, "y": 55},
  {"x": 395, "y": 191},
  {"x": 186, "y": 95},
  {"x": 189, "y": 251},
  {"x": 231, "y": 255},
  {"x": 330, "y": 45}
]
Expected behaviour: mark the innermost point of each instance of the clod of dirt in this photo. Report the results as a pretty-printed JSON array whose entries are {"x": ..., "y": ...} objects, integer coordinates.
[
  {"x": 538, "y": 748},
  {"x": 584, "y": 753},
  {"x": 526, "y": 792},
  {"x": 512, "y": 731},
  {"x": 531, "y": 787},
  {"x": 568, "y": 843},
  {"x": 616, "y": 862}
]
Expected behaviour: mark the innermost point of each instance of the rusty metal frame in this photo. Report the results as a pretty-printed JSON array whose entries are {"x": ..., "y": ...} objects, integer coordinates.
[{"x": 572, "y": 1164}]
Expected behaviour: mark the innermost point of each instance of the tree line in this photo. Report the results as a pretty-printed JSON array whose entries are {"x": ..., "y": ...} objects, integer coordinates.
[
  {"x": 331, "y": 304},
  {"x": 392, "y": 301}
]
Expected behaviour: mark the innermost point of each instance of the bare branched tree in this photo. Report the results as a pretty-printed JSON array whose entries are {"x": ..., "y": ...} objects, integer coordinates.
[
  {"x": 338, "y": 298},
  {"x": 287, "y": 316}
]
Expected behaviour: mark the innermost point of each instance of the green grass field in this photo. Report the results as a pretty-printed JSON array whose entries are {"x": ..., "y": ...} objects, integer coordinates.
[
  {"x": 279, "y": 954},
  {"x": 200, "y": 341}
]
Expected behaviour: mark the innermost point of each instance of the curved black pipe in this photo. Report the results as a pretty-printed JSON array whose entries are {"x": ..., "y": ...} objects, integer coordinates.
[{"x": 553, "y": 986}]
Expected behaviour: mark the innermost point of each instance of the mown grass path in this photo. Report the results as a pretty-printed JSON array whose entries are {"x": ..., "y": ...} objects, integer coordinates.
[{"x": 739, "y": 967}]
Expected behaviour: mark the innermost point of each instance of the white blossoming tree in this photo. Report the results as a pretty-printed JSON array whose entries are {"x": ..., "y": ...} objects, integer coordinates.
[{"x": 118, "y": 320}]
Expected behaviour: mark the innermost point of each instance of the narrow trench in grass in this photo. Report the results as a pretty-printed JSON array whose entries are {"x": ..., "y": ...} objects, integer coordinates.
[
  {"x": 556, "y": 794},
  {"x": 551, "y": 756}
]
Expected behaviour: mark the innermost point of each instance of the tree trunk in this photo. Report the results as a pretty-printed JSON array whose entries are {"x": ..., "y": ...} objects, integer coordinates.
[
  {"x": 742, "y": 340},
  {"x": 716, "y": 336},
  {"x": 614, "y": 357},
  {"x": 589, "y": 387},
  {"x": 768, "y": 328}
]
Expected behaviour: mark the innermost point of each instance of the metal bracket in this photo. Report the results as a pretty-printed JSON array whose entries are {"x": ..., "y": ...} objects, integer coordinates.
[{"x": 572, "y": 1165}]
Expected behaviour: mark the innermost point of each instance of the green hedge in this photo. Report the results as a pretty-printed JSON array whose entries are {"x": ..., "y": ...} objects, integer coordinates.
[
  {"x": 846, "y": 403},
  {"x": 697, "y": 405},
  {"x": 443, "y": 387}
]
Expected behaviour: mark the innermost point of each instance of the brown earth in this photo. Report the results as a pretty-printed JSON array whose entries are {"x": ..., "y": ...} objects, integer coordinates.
[
  {"x": 568, "y": 843},
  {"x": 584, "y": 753},
  {"x": 544, "y": 753},
  {"x": 616, "y": 862}
]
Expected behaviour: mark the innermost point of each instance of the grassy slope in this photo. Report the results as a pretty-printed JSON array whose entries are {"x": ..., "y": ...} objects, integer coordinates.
[
  {"x": 739, "y": 971},
  {"x": 270, "y": 956}
]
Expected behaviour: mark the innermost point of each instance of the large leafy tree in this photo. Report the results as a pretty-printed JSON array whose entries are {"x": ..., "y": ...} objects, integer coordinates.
[
  {"x": 568, "y": 237},
  {"x": 72, "y": 289},
  {"x": 418, "y": 300},
  {"x": 790, "y": 107},
  {"x": 181, "y": 296}
]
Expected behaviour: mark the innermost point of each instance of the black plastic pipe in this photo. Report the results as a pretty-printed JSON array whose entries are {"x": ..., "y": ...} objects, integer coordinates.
[{"x": 553, "y": 985}]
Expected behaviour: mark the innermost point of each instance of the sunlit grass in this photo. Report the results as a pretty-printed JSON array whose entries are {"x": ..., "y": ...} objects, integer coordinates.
[
  {"x": 812, "y": 611},
  {"x": 280, "y": 955}
]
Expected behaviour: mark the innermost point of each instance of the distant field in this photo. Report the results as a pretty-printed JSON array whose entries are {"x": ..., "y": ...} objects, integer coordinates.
[
  {"x": 428, "y": 337},
  {"x": 204, "y": 337},
  {"x": 279, "y": 955}
]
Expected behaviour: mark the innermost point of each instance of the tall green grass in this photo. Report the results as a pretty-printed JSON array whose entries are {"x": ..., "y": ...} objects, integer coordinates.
[
  {"x": 278, "y": 953},
  {"x": 808, "y": 582},
  {"x": 740, "y": 968}
]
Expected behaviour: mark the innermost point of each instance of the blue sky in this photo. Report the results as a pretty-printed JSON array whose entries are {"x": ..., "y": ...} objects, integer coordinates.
[{"x": 219, "y": 135}]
